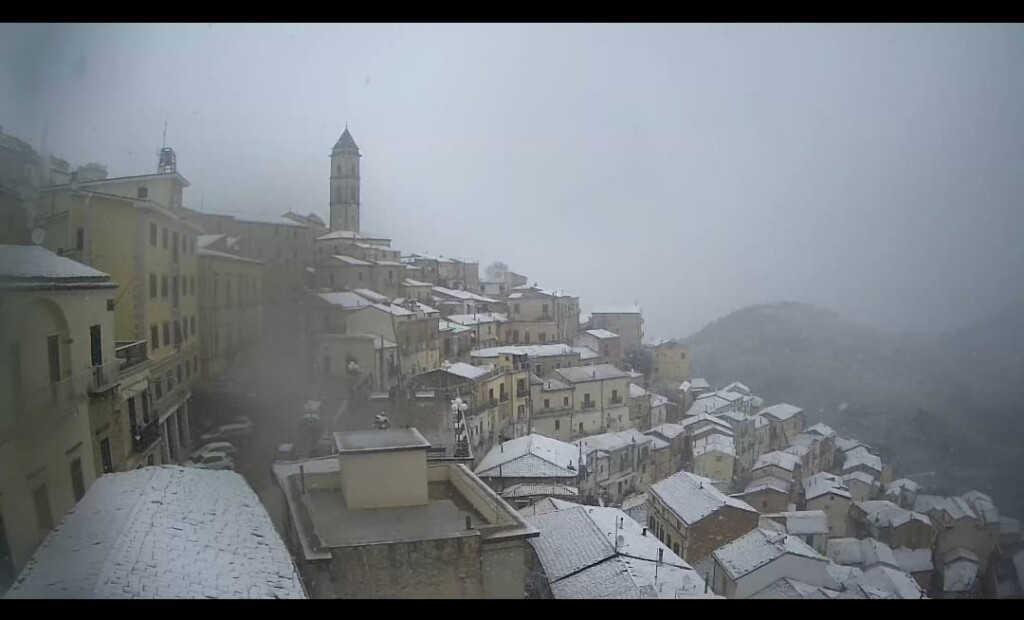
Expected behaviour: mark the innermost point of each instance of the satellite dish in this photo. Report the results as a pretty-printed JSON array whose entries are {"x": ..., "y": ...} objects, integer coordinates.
[{"x": 38, "y": 235}]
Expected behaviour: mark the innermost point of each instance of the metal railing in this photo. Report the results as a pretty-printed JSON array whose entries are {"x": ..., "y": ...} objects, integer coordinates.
[
  {"x": 616, "y": 400},
  {"x": 522, "y": 392},
  {"x": 145, "y": 436},
  {"x": 589, "y": 404},
  {"x": 131, "y": 353},
  {"x": 104, "y": 376},
  {"x": 503, "y": 396}
]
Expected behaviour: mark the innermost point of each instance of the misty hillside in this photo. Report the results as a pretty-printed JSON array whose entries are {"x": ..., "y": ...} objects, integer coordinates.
[{"x": 943, "y": 403}]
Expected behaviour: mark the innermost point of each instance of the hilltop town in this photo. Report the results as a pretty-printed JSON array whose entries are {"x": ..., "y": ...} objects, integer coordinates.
[{"x": 232, "y": 405}]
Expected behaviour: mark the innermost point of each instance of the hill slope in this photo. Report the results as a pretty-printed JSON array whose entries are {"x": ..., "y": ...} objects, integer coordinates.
[{"x": 945, "y": 404}]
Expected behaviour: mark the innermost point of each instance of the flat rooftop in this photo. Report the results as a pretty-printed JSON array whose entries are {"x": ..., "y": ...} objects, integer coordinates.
[
  {"x": 390, "y": 440},
  {"x": 337, "y": 526}
]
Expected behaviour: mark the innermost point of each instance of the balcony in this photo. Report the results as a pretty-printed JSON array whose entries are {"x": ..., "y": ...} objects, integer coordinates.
[
  {"x": 503, "y": 397},
  {"x": 589, "y": 404},
  {"x": 104, "y": 377},
  {"x": 131, "y": 353},
  {"x": 616, "y": 400},
  {"x": 522, "y": 392},
  {"x": 145, "y": 436}
]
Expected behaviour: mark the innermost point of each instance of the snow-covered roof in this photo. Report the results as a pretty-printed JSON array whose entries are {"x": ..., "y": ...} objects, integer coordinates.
[
  {"x": 601, "y": 333},
  {"x": 782, "y": 460},
  {"x": 534, "y": 489},
  {"x": 983, "y": 506},
  {"x": 657, "y": 400},
  {"x": 668, "y": 430},
  {"x": 788, "y": 588},
  {"x": 822, "y": 430},
  {"x": 699, "y": 383},
  {"x": 953, "y": 506},
  {"x": 215, "y": 254},
  {"x": 890, "y": 580},
  {"x": 846, "y": 444},
  {"x": 736, "y": 386},
  {"x": 902, "y": 484},
  {"x": 163, "y": 532},
  {"x": 914, "y": 560},
  {"x": 823, "y": 482},
  {"x": 684, "y": 386},
  {"x": 463, "y": 295},
  {"x": 860, "y": 476},
  {"x": 586, "y": 353},
  {"x": 415, "y": 283},
  {"x": 340, "y": 234},
  {"x": 546, "y": 504},
  {"x": 596, "y": 552},
  {"x": 713, "y": 403},
  {"x": 448, "y": 326},
  {"x": 33, "y": 263},
  {"x": 767, "y": 482},
  {"x": 759, "y": 547},
  {"x": 702, "y": 420},
  {"x": 468, "y": 371},
  {"x": 863, "y": 553},
  {"x": 712, "y": 444},
  {"x": 860, "y": 456},
  {"x": 346, "y": 299},
  {"x": 959, "y": 573},
  {"x": 781, "y": 411},
  {"x": 887, "y": 514},
  {"x": 351, "y": 260},
  {"x": 258, "y": 218},
  {"x": 802, "y": 522},
  {"x": 371, "y": 295},
  {"x": 609, "y": 442},
  {"x": 635, "y": 391},
  {"x": 692, "y": 497},
  {"x": 531, "y": 456},
  {"x": 548, "y": 385},
  {"x": 529, "y": 350},
  {"x": 480, "y": 317},
  {"x": 204, "y": 240},
  {"x": 597, "y": 372}
]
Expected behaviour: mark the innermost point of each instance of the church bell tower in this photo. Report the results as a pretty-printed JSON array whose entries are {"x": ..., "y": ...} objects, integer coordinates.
[{"x": 345, "y": 184}]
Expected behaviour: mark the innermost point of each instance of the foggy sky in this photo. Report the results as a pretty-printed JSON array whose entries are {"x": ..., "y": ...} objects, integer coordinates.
[{"x": 876, "y": 170}]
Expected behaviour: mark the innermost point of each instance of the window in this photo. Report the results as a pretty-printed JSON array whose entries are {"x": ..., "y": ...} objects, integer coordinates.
[
  {"x": 167, "y": 333},
  {"x": 543, "y": 337},
  {"x": 170, "y": 381},
  {"x": 163, "y": 286},
  {"x": 44, "y": 516},
  {"x": 163, "y": 232},
  {"x": 191, "y": 285},
  {"x": 179, "y": 374},
  {"x": 174, "y": 247},
  {"x": 152, "y": 286},
  {"x": 515, "y": 308},
  {"x": 581, "y": 427},
  {"x": 106, "y": 459},
  {"x": 53, "y": 357},
  {"x": 174, "y": 292},
  {"x": 80, "y": 239},
  {"x": 154, "y": 336},
  {"x": 177, "y": 333},
  {"x": 565, "y": 401},
  {"x": 142, "y": 192},
  {"x": 557, "y": 424},
  {"x": 547, "y": 405},
  {"x": 152, "y": 235},
  {"x": 544, "y": 309},
  {"x": 77, "y": 479}
]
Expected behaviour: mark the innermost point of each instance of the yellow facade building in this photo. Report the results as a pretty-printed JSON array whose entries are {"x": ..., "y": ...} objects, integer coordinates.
[{"x": 55, "y": 329}]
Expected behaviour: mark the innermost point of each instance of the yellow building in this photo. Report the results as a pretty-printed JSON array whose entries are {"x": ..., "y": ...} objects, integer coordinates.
[
  {"x": 56, "y": 331},
  {"x": 230, "y": 305},
  {"x": 671, "y": 363},
  {"x": 132, "y": 228}
]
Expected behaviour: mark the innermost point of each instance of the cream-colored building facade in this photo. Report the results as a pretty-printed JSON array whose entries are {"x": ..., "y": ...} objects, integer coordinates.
[
  {"x": 56, "y": 332},
  {"x": 230, "y": 308}
]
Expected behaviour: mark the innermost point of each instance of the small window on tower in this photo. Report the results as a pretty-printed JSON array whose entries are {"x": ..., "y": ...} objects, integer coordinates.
[{"x": 143, "y": 192}]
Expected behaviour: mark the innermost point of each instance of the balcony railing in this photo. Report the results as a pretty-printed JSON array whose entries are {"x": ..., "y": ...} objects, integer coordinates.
[
  {"x": 104, "y": 377},
  {"x": 503, "y": 396},
  {"x": 616, "y": 400},
  {"x": 522, "y": 392},
  {"x": 589, "y": 404},
  {"x": 131, "y": 353},
  {"x": 145, "y": 436}
]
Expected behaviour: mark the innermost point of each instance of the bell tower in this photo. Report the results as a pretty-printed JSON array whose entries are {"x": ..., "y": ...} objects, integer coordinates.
[{"x": 345, "y": 184}]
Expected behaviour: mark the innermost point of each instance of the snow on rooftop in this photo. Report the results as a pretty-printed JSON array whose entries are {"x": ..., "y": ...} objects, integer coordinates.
[
  {"x": 163, "y": 532},
  {"x": 657, "y": 400},
  {"x": 601, "y": 333},
  {"x": 759, "y": 547},
  {"x": 781, "y": 411},
  {"x": 860, "y": 476},
  {"x": 346, "y": 299},
  {"x": 478, "y": 318},
  {"x": 693, "y": 497},
  {"x": 226, "y": 255},
  {"x": 822, "y": 430},
  {"x": 340, "y": 234},
  {"x": 714, "y": 444},
  {"x": 411, "y": 282},
  {"x": 36, "y": 263},
  {"x": 699, "y": 383},
  {"x": 788, "y": 588},
  {"x": 668, "y": 430},
  {"x": 803, "y": 522},
  {"x": 822, "y": 483},
  {"x": 258, "y": 218},
  {"x": 983, "y": 506},
  {"x": 351, "y": 260},
  {"x": 586, "y": 353},
  {"x": 534, "y": 489},
  {"x": 463, "y": 295},
  {"x": 583, "y": 374},
  {"x": 371, "y": 295},
  {"x": 529, "y": 350},
  {"x": 860, "y": 456},
  {"x": 635, "y": 391},
  {"x": 609, "y": 442},
  {"x": 468, "y": 371},
  {"x": 531, "y": 456},
  {"x": 901, "y": 485},
  {"x": 862, "y": 553},
  {"x": 596, "y": 552},
  {"x": 914, "y": 560},
  {"x": 890, "y": 580},
  {"x": 782, "y": 460},
  {"x": 765, "y": 483}
]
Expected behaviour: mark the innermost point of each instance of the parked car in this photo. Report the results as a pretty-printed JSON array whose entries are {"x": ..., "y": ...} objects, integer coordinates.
[
  {"x": 227, "y": 431},
  {"x": 210, "y": 460},
  {"x": 223, "y": 447}
]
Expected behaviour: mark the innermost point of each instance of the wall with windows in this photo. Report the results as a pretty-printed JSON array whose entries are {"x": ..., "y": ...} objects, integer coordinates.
[
  {"x": 46, "y": 455},
  {"x": 230, "y": 309}
]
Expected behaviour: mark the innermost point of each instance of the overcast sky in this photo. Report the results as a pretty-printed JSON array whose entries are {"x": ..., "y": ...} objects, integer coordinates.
[{"x": 875, "y": 170}]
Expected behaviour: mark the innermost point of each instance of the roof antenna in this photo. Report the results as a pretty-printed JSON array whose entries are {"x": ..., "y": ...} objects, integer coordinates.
[{"x": 164, "y": 143}]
